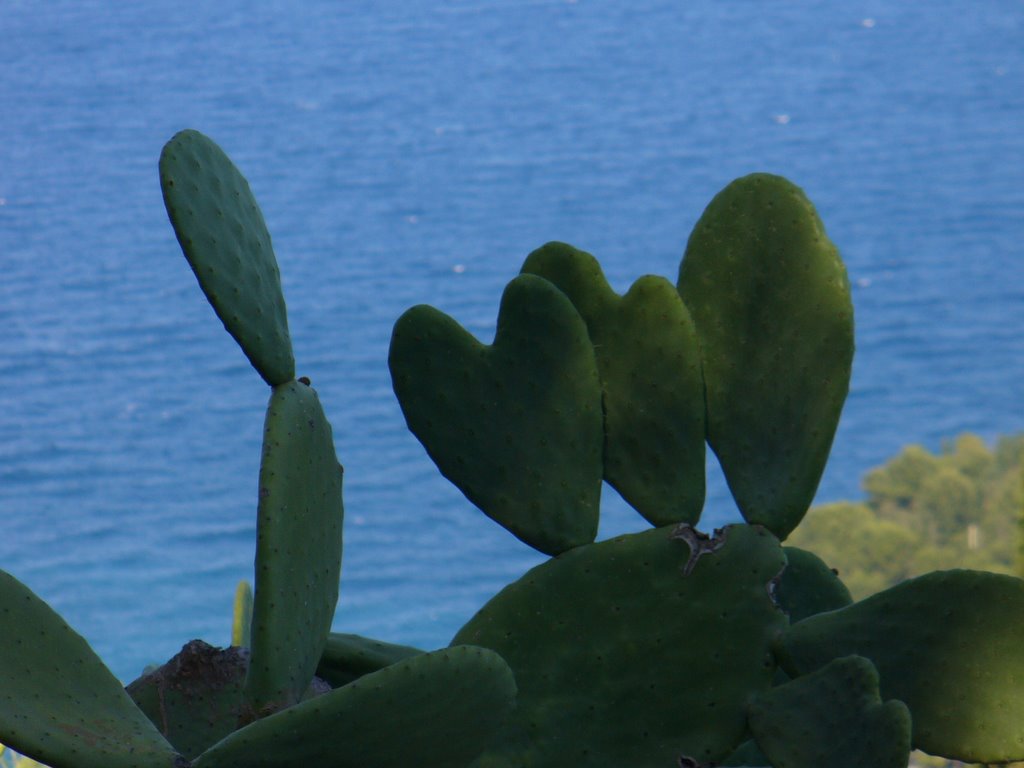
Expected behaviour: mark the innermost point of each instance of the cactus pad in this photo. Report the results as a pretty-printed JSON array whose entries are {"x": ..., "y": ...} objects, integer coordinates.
[
  {"x": 221, "y": 230},
  {"x": 438, "y": 709},
  {"x": 673, "y": 627},
  {"x": 770, "y": 298},
  {"x": 516, "y": 425},
  {"x": 648, "y": 359},
  {"x": 349, "y": 657},
  {"x": 58, "y": 703},
  {"x": 832, "y": 717},
  {"x": 808, "y": 586},
  {"x": 298, "y": 548},
  {"x": 948, "y": 644}
]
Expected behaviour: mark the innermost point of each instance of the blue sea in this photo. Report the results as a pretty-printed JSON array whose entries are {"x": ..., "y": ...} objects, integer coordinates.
[{"x": 415, "y": 152}]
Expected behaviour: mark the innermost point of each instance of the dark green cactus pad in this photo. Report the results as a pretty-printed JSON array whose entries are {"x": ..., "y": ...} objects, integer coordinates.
[
  {"x": 298, "y": 548},
  {"x": 58, "y": 703},
  {"x": 948, "y": 644},
  {"x": 648, "y": 359},
  {"x": 771, "y": 301},
  {"x": 516, "y": 425},
  {"x": 221, "y": 230},
  {"x": 808, "y": 586},
  {"x": 348, "y": 657},
  {"x": 636, "y": 651},
  {"x": 196, "y": 698},
  {"x": 832, "y": 717},
  {"x": 436, "y": 709}
]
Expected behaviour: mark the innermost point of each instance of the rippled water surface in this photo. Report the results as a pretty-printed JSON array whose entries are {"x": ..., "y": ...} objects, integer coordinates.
[{"x": 416, "y": 152}]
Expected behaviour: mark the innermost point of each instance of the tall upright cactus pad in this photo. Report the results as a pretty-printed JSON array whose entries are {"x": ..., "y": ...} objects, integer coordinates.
[
  {"x": 640, "y": 650},
  {"x": 948, "y": 644},
  {"x": 516, "y": 425},
  {"x": 298, "y": 548},
  {"x": 58, "y": 702},
  {"x": 771, "y": 301},
  {"x": 439, "y": 709},
  {"x": 648, "y": 359},
  {"x": 221, "y": 230},
  {"x": 832, "y": 717}
]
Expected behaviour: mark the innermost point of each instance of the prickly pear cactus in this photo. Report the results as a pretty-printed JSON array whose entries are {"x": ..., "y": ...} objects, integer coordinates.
[
  {"x": 517, "y": 425},
  {"x": 771, "y": 301},
  {"x": 221, "y": 230},
  {"x": 653, "y": 649},
  {"x": 648, "y": 360},
  {"x": 638, "y": 651}
]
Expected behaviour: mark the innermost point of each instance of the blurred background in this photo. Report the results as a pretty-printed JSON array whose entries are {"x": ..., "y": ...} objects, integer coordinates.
[{"x": 415, "y": 152}]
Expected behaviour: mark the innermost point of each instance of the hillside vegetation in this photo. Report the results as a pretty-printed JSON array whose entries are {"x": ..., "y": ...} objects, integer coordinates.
[{"x": 960, "y": 508}]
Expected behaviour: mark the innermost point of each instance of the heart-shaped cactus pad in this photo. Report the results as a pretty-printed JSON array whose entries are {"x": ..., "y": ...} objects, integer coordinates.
[
  {"x": 517, "y": 424},
  {"x": 648, "y": 358},
  {"x": 769, "y": 295}
]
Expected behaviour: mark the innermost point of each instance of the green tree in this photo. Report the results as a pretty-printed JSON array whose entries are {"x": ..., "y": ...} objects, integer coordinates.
[{"x": 960, "y": 508}]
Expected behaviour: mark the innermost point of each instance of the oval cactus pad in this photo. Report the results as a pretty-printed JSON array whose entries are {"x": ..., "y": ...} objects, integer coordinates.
[
  {"x": 771, "y": 301},
  {"x": 298, "y": 548},
  {"x": 436, "y": 709},
  {"x": 58, "y": 703},
  {"x": 516, "y": 425},
  {"x": 672, "y": 626},
  {"x": 648, "y": 359},
  {"x": 221, "y": 231},
  {"x": 948, "y": 644}
]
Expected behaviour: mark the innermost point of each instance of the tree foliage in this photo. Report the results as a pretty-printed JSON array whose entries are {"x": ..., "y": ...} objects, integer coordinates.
[{"x": 959, "y": 508}]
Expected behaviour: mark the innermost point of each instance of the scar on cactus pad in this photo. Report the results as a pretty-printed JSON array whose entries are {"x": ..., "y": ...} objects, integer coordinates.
[{"x": 593, "y": 637}]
